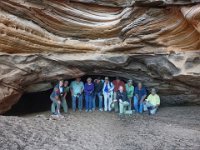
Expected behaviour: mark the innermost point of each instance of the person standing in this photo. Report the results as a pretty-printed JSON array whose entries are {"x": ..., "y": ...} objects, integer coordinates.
[
  {"x": 108, "y": 88},
  {"x": 63, "y": 100},
  {"x": 56, "y": 97},
  {"x": 130, "y": 91},
  {"x": 77, "y": 88},
  {"x": 88, "y": 89},
  {"x": 140, "y": 95},
  {"x": 98, "y": 86},
  {"x": 152, "y": 102},
  {"x": 117, "y": 83}
]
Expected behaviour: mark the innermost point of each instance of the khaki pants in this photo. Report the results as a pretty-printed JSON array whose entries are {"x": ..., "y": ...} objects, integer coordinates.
[
  {"x": 55, "y": 107},
  {"x": 123, "y": 107},
  {"x": 130, "y": 99},
  {"x": 116, "y": 104}
]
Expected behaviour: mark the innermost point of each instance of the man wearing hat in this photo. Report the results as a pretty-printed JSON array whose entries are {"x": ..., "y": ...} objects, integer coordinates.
[
  {"x": 107, "y": 90},
  {"x": 152, "y": 102},
  {"x": 117, "y": 83},
  {"x": 130, "y": 91}
]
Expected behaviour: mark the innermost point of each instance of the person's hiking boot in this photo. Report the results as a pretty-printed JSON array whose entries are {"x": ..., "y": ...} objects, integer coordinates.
[
  {"x": 61, "y": 116},
  {"x": 149, "y": 111},
  {"x": 54, "y": 113},
  {"x": 55, "y": 117}
]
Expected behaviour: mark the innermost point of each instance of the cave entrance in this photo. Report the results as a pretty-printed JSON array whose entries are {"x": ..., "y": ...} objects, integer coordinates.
[{"x": 37, "y": 102}]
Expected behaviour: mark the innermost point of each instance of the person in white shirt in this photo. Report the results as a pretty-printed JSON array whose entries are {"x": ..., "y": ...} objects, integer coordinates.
[{"x": 108, "y": 88}]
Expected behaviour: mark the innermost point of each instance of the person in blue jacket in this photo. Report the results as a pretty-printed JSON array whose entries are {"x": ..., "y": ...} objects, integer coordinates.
[{"x": 140, "y": 95}]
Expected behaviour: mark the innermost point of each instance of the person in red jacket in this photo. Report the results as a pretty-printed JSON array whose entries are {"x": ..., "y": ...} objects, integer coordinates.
[{"x": 117, "y": 83}]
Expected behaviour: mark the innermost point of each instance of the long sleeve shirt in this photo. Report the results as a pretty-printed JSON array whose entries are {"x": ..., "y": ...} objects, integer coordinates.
[
  {"x": 88, "y": 88},
  {"x": 140, "y": 92},
  {"x": 118, "y": 84},
  {"x": 108, "y": 88},
  {"x": 129, "y": 90},
  {"x": 57, "y": 91},
  {"x": 98, "y": 87},
  {"x": 122, "y": 96}
]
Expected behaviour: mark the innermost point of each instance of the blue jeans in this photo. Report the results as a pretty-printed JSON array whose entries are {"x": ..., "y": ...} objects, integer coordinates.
[
  {"x": 137, "y": 105},
  {"x": 80, "y": 102},
  {"x": 88, "y": 102},
  {"x": 100, "y": 97},
  {"x": 151, "y": 108}
]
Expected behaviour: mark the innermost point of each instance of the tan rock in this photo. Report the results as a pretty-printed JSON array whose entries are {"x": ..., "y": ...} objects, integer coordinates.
[{"x": 152, "y": 41}]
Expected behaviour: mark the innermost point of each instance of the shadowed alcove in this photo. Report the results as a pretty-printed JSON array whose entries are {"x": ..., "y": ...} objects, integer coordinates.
[{"x": 36, "y": 102}]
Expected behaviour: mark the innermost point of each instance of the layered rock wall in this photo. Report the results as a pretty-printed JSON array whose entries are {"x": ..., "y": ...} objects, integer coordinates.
[{"x": 155, "y": 41}]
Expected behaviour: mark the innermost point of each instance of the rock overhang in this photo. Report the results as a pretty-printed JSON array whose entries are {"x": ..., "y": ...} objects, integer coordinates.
[{"x": 48, "y": 40}]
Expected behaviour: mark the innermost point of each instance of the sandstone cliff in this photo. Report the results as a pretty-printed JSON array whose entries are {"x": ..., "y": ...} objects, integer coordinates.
[{"x": 155, "y": 41}]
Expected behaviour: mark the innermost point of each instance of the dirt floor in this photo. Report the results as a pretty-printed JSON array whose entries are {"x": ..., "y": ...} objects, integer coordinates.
[{"x": 172, "y": 128}]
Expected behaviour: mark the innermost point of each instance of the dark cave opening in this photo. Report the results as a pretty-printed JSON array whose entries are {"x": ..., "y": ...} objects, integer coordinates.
[{"x": 39, "y": 101}]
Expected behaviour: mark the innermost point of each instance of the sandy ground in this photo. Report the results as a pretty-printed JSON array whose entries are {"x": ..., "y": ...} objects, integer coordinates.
[{"x": 172, "y": 128}]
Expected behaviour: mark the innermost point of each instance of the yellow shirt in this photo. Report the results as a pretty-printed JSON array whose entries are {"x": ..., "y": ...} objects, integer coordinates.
[{"x": 153, "y": 99}]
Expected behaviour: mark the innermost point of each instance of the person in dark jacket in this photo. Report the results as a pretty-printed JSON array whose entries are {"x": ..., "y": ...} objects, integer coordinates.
[
  {"x": 140, "y": 95},
  {"x": 88, "y": 89},
  {"x": 98, "y": 86},
  {"x": 121, "y": 98},
  {"x": 117, "y": 83}
]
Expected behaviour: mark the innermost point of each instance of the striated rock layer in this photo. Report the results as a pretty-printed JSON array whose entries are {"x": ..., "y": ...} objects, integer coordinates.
[{"x": 155, "y": 41}]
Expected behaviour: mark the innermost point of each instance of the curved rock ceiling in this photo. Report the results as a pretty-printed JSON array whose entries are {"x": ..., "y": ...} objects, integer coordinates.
[{"x": 155, "y": 41}]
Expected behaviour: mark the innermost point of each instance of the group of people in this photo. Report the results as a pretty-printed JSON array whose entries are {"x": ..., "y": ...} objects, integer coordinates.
[{"x": 123, "y": 98}]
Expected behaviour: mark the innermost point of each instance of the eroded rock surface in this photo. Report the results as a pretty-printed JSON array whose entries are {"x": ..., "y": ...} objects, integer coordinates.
[{"x": 155, "y": 41}]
